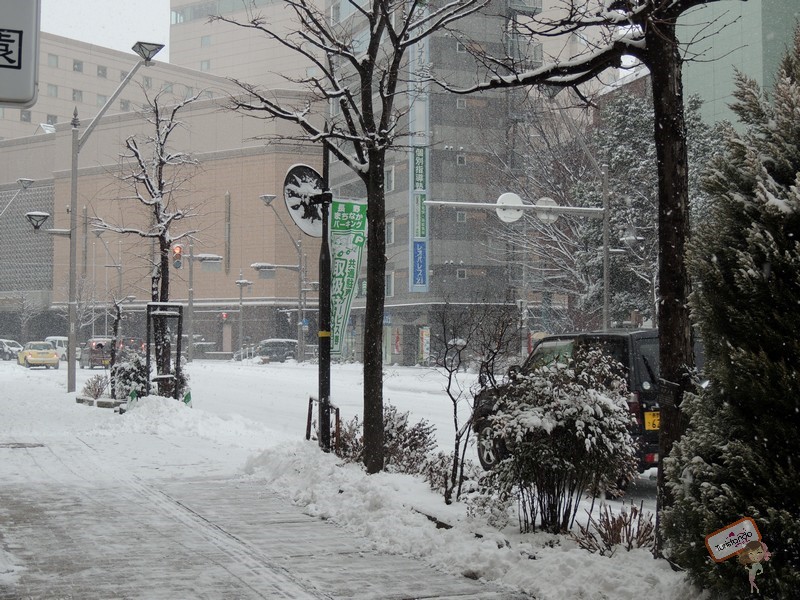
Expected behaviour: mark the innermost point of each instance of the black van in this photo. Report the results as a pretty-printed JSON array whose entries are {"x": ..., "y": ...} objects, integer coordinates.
[{"x": 636, "y": 350}]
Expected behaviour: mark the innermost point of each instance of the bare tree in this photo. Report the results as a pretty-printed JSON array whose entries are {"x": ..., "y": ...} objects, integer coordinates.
[
  {"x": 647, "y": 31},
  {"x": 462, "y": 335},
  {"x": 84, "y": 307},
  {"x": 156, "y": 174},
  {"x": 359, "y": 59},
  {"x": 29, "y": 306}
]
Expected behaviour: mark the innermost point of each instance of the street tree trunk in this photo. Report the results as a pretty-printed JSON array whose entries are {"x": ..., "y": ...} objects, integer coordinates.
[
  {"x": 373, "y": 319},
  {"x": 675, "y": 340},
  {"x": 161, "y": 324}
]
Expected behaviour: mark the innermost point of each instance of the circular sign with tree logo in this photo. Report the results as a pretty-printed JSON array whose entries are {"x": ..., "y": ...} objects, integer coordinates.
[{"x": 302, "y": 183}]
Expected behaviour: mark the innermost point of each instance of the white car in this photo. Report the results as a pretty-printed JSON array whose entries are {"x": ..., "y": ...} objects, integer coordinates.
[
  {"x": 9, "y": 349},
  {"x": 60, "y": 343}
]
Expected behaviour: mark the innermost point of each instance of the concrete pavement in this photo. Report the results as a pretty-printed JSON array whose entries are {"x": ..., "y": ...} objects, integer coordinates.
[{"x": 82, "y": 530}]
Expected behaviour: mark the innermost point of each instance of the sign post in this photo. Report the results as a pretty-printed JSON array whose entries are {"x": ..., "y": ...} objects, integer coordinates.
[{"x": 19, "y": 53}]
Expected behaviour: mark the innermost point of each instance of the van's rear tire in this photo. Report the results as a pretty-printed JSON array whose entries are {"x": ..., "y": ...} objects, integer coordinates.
[{"x": 491, "y": 450}]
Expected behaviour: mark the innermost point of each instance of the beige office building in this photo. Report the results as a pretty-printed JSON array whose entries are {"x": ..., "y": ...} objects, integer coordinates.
[{"x": 222, "y": 193}]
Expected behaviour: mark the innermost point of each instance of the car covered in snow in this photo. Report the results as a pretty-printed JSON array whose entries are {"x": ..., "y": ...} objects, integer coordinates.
[
  {"x": 276, "y": 349},
  {"x": 9, "y": 349}
]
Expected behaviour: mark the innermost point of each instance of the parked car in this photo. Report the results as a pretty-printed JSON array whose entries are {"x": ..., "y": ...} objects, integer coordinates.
[
  {"x": 9, "y": 349},
  {"x": 637, "y": 351},
  {"x": 96, "y": 353},
  {"x": 131, "y": 344},
  {"x": 60, "y": 343},
  {"x": 277, "y": 349},
  {"x": 38, "y": 354}
]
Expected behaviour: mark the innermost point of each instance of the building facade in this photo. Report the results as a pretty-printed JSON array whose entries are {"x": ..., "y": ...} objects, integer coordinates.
[
  {"x": 229, "y": 220},
  {"x": 749, "y": 36},
  {"x": 437, "y": 255}
]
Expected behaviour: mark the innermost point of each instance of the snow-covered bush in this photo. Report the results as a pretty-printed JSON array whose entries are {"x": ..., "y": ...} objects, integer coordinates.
[
  {"x": 438, "y": 471},
  {"x": 567, "y": 430},
  {"x": 129, "y": 374},
  {"x": 406, "y": 447}
]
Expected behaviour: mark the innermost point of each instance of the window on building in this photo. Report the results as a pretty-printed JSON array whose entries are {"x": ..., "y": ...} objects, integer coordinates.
[
  {"x": 461, "y": 273},
  {"x": 102, "y": 72},
  {"x": 336, "y": 12},
  {"x": 461, "y": 160},
  {"x": 52, "y": 119},
  {"x": 167, "y": 87},
  {"x": 125, "y": 105},
  {"x": 52, "y": 60},
  {"x": 461, "y": 103},
  {"x": 77, "y": 66},
  {"x": 147, "y": 82},
  {"x": 461, "y": 216},
  {"x": 176, "y": 17},
  {"x": 460, "y": 48},
  {"x": 388, "y": 180},
  {"x": 205, "y": 41},
  {"x": 389, "y": 287},
  {"x": 205, "y": 65},
  {"x": 122, "y": 75},
  {"x": 101, "y": 100},
  {"x": 189, "y": 93},
  {"x": 25, "y": 116},
  {"x": 52, "y": 90},
  {"x": 389, "y": 232},
  {"x": 77, "y": 95}
]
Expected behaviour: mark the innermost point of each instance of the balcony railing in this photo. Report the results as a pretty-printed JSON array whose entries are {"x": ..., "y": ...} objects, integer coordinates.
[{"x": 526, "y": 7}]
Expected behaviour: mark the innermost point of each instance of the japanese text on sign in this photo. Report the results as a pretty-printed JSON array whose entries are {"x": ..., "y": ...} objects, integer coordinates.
[
  {"x": 348, "y": 237},
  {"x": 10, "y": 49}
]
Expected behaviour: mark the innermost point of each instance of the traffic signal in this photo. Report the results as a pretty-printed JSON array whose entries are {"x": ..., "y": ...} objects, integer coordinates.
[
  {"x": 224, "y": 316},
  {"x": 177, "y": 256}
]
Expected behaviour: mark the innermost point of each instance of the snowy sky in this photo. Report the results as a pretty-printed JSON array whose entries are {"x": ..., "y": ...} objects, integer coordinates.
[
  {"x": 248, "y": 419},
  {"x": 116, "y": 24}
]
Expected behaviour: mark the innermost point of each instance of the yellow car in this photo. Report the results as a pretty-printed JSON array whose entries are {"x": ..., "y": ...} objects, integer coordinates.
[{"x": 38, "y": 354}]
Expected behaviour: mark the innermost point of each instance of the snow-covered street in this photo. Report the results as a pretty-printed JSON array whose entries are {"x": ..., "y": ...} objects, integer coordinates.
[{"x": 227, "y": 500}]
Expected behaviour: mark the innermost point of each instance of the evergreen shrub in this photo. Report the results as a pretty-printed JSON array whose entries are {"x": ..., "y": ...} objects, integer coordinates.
[
  {"x": 130, "y": 374},
  {"x": 738, "y": 457}
]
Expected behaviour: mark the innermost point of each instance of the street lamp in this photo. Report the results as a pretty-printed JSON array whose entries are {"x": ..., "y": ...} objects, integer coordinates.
[
  {"x": 24, "y": 184},
  {"x": 203, "y": 259},
  {"x": 146, "y": 52},
  {"x": 241, "y": 283},
  {"x": 298, "y": 246}
]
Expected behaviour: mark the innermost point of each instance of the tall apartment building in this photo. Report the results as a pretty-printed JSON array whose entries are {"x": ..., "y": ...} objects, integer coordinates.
[{"x": 435, "y": 254}]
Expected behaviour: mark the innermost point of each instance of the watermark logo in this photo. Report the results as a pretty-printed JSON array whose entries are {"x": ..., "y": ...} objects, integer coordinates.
[
  {"x": 732, "y": 539},
  {"x": 743, "y": 540}
]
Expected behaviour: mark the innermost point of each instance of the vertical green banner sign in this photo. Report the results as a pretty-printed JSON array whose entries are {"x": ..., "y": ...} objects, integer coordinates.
[{"x": 348, "y": 235}]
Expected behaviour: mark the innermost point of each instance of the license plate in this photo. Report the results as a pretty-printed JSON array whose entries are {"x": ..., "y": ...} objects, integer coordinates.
[{"x": 652, "y": 421}]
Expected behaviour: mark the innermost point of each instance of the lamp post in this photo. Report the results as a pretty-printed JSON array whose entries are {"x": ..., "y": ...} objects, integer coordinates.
[
  {"x": 241, "y": 283},
  {"x": 298, "y": 246},
  {"x": 146, "y": 51},
  {"x": 24, "y": 184},
  {"x": 211, "y": 260}
]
